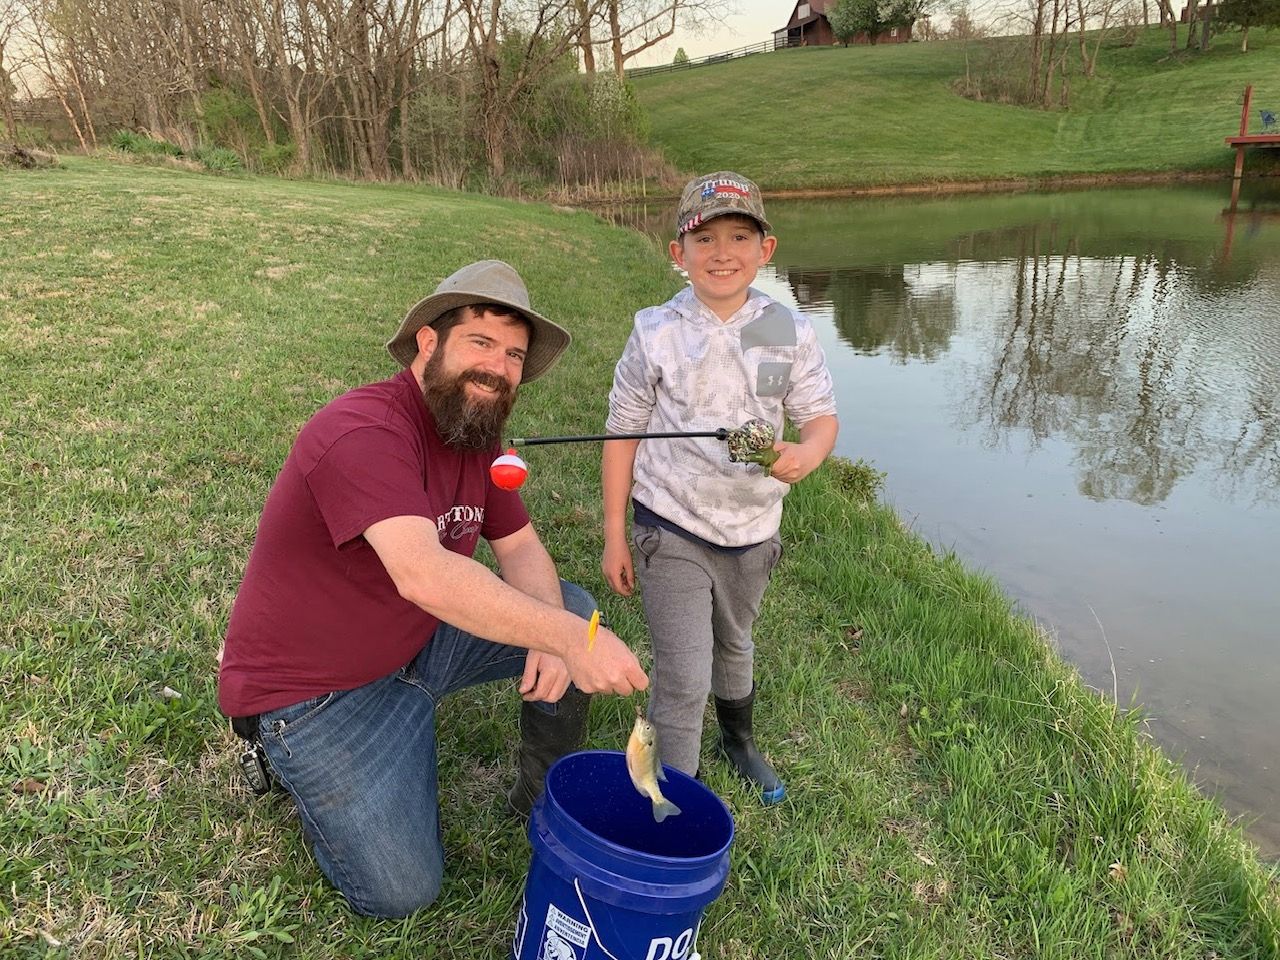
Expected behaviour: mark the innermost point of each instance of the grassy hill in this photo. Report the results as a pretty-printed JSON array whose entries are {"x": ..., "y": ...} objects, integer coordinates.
[{"x": 829, "y": 117}]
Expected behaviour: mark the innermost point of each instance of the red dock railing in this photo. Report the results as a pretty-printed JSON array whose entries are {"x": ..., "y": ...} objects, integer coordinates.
[{"x": 1245, "y": 138}]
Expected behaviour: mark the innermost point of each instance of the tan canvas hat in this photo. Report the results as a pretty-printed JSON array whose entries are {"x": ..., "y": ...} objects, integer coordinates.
[
  {"x": 716, "y": 194},
  {"x": 488, "y": 281}
]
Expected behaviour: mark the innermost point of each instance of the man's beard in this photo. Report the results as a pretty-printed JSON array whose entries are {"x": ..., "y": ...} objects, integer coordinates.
[{"x": 465, "y": 421}]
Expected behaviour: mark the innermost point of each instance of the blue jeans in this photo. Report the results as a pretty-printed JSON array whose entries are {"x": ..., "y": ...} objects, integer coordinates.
[{"x": 361, "y": 766}]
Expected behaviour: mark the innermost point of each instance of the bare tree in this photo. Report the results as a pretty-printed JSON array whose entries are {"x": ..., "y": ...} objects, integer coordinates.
[
  {"x": 585, "y": 42},
  {"x": 333, "y": 83},
  {"x": 1097, "y": 19},
  {"x": 538, "y": 35},
  {"x": 9, "y": 14},
  {"x": 1051, "y": 26},
  {"x": 1031, "y": 64},
  {"x": 244, "y": 51},
  {"x": 637, "y": 25},
  {"x": 55, "y": 63},
  {"x": 1206, "y": 25},
  {"x": 289, "y": 37},
  {"x": 1170, "y": 19},
  {"x": 372, "y": 49},
  {"x": 961, "y": 24},
  {"x": 653, "y": 24}
]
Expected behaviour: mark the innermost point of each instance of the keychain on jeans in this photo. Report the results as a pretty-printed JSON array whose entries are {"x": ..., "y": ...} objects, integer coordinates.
[{"x": 253, "y": 759}]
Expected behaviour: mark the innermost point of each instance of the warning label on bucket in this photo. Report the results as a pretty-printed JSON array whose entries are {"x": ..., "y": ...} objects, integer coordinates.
[{"x": 561, "y": 935}]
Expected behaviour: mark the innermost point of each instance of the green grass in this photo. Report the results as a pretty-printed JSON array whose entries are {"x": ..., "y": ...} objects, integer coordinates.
[
  {"x": 953, "y": 790},
  {"x": 832, "y": 117}
]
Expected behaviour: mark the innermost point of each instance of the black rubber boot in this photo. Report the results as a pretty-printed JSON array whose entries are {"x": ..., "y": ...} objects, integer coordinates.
[
  {"x": 738, "y": 744},
  {"x": 544, "y": 739}
]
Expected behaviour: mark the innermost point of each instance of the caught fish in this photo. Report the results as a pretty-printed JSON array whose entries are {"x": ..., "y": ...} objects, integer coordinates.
[{"x": 645, "y": 769}]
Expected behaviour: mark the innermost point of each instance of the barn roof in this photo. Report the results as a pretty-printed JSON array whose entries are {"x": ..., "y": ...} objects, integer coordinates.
[{"x": 816, "y": 8}]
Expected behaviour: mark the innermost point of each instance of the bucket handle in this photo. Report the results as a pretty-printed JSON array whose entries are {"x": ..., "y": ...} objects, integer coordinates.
[{"x": 582, "y": 901}]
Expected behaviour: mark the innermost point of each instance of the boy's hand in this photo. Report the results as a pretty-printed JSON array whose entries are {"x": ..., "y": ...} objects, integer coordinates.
[
  {"x": 795, "y": 461},
  {"x": 616, "y": 567}
]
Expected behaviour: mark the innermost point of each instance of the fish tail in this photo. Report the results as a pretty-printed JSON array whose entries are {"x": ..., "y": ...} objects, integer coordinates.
[{"x": 663, "y": 808}]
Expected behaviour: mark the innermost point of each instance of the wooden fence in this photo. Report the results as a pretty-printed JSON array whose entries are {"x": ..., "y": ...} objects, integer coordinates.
[{"x": 767, "y": 47}]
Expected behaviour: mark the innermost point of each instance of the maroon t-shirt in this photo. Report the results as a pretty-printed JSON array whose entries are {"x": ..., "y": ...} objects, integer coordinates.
[{"x": 317, "y": 611}]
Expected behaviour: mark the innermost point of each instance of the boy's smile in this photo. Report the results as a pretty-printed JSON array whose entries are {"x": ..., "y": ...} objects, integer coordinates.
[{"x": 722, "y": 257}]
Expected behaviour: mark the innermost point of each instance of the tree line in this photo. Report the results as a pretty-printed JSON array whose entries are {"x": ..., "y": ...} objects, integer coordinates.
[
  {"x": 444, "y": 90},
  {"x": 1051, "y": 44}
]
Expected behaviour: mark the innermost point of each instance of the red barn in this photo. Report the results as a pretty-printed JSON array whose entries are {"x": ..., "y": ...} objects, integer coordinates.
[{"x": 809, "y": 27}]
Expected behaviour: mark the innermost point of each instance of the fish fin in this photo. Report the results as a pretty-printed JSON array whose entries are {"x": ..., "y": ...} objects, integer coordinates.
[
  {"x": 664, "y": 808},
  {"x": 662, "y": 774}
]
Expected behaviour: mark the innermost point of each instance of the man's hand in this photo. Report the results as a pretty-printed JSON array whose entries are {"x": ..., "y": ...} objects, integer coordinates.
[
  {"x": 545, "y": 679},
  {"x": 610, "y": 666},
  {"x": 469, "y": 596},
  {"x": 616, "y": 567}
]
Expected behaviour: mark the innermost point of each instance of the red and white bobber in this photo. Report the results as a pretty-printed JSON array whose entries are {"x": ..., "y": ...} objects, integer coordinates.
[{"x": 509, "y": 472}]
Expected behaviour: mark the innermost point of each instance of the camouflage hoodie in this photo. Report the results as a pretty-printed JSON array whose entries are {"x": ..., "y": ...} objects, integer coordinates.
[{"x": 685, "y": 369}]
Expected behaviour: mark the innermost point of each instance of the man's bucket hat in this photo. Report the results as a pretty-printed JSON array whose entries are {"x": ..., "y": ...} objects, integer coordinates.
[
  {"x": 488, "y": 281},
  {"x": 715, "y": 195}
]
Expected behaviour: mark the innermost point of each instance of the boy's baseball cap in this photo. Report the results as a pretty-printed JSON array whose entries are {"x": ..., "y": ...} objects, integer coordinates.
[{"x": 715, "y": 194}]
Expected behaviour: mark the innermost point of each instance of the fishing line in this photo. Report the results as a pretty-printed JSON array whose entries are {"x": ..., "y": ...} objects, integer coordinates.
[{"x": 750, "y": 443}]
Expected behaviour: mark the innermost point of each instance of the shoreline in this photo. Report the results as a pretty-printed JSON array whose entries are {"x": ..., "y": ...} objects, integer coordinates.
[{"x": 927, "y": 188}]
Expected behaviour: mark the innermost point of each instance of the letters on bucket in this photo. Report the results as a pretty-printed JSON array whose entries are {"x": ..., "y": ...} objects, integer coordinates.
[{"x": 608, "y": 883}]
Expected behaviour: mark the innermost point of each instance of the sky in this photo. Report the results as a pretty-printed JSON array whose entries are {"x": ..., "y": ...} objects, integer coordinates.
[{"x": 752, "y": 22}]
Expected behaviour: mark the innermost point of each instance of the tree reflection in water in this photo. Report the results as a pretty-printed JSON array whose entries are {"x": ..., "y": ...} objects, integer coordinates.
[
  {"x": 878, "y": 311},
  {"x": 1151, "y": 365}
]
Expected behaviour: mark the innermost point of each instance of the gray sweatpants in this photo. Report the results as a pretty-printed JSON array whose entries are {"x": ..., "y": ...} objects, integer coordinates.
[{"x": 700, "y": 604}]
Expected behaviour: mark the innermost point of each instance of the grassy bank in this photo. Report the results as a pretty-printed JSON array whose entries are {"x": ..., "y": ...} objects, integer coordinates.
[
  {"x": 828, "y": 117},
  {"x": 954, "y": 791}
]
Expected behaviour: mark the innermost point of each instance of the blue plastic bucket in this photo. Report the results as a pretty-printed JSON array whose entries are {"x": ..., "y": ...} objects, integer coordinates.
[{"x": 606, "y": 882}]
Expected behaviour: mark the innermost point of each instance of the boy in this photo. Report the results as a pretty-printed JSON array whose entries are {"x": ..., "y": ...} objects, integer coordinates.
[{"x": 705, "y": 529}]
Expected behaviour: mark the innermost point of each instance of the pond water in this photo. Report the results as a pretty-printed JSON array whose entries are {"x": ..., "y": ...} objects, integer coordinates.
[{"x": 1080, "y": 394}]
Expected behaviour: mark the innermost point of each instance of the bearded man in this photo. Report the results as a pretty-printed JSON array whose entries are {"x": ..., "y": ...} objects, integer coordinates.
[{"x": 361, "y": 605}]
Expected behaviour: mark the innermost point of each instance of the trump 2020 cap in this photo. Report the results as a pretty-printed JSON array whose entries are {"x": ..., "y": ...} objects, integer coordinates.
[{"x": 715, "y": 195}]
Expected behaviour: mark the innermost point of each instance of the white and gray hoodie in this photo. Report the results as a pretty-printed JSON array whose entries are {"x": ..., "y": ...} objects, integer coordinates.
[{"x": 685, "y": 369}]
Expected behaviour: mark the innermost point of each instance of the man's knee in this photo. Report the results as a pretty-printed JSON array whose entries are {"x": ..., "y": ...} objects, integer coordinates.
[
  {"x": 399, "y": 897},
  {"x": 576, "y": 600},
  {"x": 389, "y": 879}
]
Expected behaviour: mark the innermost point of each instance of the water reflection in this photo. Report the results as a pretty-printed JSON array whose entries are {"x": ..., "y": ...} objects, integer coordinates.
[
  {"x": 1251, "y": 218},
  {"x": 1152, "y": 364},
  {"x": 881, "y": 309}
]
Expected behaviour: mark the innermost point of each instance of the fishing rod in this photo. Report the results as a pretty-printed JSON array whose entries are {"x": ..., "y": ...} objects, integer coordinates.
[
  {"x": 750, "y": 443},
  {"x": 720, "y": 434}
]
